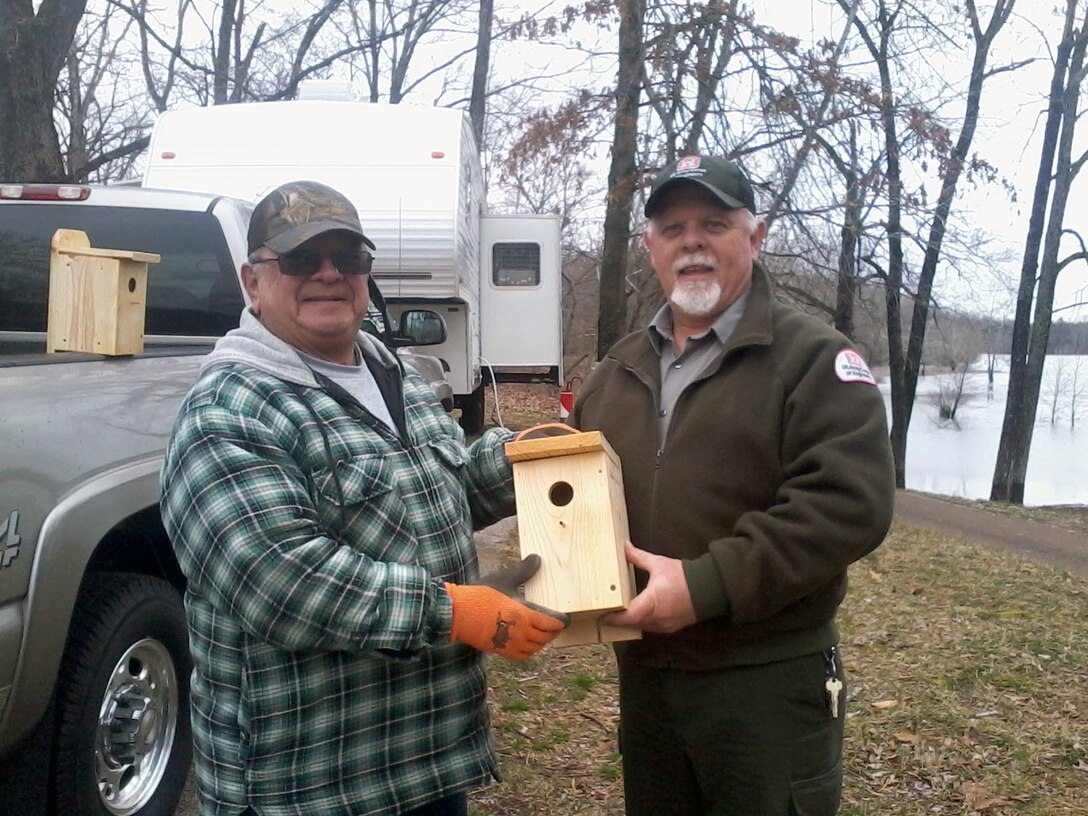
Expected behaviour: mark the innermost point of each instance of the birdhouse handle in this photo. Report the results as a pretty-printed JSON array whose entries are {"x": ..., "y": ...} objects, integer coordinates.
[{"x": 545, "y": 430}]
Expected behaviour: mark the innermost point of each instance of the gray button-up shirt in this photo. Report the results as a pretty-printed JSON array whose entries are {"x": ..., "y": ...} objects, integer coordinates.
[{"x": 681, "y": 369}]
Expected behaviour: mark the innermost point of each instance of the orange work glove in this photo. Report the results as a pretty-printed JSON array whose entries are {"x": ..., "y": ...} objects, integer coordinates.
[
  {"x": 545, "y": 430},
  {"x": 488, "y": 616}
]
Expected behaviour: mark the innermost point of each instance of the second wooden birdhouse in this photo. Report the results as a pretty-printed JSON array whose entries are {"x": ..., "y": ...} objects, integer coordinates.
[{"x": 97, "y": 297}]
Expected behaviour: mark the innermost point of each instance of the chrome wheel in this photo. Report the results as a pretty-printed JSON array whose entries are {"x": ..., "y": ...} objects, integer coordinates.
[
  {"x": 123, "y": 738},
  {"x": 136, "y": 727}
]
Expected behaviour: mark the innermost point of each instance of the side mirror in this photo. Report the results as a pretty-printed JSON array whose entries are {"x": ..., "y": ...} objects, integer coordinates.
[{"x": 420, "y": 327}]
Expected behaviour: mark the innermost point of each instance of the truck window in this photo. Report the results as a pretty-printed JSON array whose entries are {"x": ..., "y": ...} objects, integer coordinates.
[
  {"x": 192, "y": 291},
  {"x": 515, "y": 264}
]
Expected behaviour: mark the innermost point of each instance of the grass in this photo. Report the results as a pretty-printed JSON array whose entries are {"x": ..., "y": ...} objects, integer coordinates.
[{"x": 968, "y": 693}]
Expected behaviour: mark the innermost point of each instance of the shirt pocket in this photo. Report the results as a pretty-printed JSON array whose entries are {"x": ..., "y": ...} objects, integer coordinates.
[
  {"x": 448, "y": 510},
  {"x": 360, "y": 500},
  {"x": 451, "y": 454}
]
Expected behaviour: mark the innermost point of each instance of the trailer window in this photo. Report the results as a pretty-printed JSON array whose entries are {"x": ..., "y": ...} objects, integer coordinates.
[{"x": 515, "y": 264}]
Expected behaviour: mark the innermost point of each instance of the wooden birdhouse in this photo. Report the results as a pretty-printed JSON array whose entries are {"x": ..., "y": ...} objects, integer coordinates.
[
  {"x": 97, "y": 297},
  {"x": 572, "y": 513}
]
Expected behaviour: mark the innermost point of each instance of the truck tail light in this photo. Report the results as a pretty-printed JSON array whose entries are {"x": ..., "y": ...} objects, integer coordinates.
[{"x": 45, "y": 192}]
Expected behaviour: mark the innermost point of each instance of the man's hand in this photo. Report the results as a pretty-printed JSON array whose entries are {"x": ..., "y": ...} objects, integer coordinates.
[
  {"x": 664, "y": 606},
  {"x": 488, "y": 616}
]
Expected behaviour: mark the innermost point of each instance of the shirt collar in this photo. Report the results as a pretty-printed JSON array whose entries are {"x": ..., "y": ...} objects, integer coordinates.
[{"x": 660, "y": 328}]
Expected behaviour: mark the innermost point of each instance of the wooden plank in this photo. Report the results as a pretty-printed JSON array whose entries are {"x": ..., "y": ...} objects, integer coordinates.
[
  {"x": 121, "y": 254},
  {"x": 566, "y": 445},
  {"x": 583, "y": 631}
]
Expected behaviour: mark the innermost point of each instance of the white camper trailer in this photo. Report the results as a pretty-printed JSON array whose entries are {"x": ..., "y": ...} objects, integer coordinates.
[{"x": 414, "y": 174}]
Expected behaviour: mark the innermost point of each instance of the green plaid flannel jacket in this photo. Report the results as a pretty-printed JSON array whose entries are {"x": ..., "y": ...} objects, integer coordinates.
[{"x": 324, "y": 682}]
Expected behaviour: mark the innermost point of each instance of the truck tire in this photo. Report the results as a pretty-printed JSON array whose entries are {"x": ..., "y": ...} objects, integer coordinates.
[
  {"x": 124, "y": 742},
  {"x": 472, "y": 411}
]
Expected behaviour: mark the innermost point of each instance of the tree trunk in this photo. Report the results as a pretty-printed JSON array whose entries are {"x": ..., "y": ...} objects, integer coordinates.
[
  {"x": 1048, "y": 271},
  {"x": 621, "y": 178},
  {"x": 477, "y": 108},
  {"x": 221, "y": 59},
  {"x": 900, "y": 402},
  {"x": 849, "y": 236},
  {"x": 1010, "y": 469},
  {"x": 33, "y": 49},
  {"x": 938, "y": 224}
]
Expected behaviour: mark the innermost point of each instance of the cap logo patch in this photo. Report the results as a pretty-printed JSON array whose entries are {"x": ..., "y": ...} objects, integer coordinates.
[
  {"x": 688, "y": 167},
  {"x": 851, "y": 367}
]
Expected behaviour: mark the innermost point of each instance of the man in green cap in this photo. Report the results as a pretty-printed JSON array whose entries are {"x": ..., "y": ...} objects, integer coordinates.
[
  {"x": 756, "y": 467},
  {"x": 321, "y": 504}
]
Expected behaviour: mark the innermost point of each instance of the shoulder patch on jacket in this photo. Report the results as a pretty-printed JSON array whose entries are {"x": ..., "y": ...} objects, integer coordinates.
[{"x": 851, "y": 367}]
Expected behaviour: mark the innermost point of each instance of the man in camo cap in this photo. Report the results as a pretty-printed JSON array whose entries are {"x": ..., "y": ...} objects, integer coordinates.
[{"x": 321, "y": 504}]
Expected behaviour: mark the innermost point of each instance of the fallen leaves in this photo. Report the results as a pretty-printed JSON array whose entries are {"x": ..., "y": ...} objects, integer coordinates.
[{"x": 980, "y": 799}]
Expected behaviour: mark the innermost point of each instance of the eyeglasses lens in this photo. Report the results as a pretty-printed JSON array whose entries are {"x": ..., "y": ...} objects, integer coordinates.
[{"x": 304, "y": 264}]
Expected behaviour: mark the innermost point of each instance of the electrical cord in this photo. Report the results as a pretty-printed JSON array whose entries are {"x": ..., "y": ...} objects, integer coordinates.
[{"x": 494, "y": 391}]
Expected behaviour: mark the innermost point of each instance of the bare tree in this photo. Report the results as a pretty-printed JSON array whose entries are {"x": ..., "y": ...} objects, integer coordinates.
[
  {"x": 951, "y": 394},
  {"x": 478, "y": 105},
  {"x": 688, "y": 52},
  {"x": 99, "y": 120},
  {"x": 234, "y": 51},
  {"x": 1077, "y": 388},
  {"x": 541, "y": 161},
  {"x": 391, "y": 34},
  {"x": 622, "y": 178},
  {"x": 1057, "y": 169},
  {"x": 955, "y": 159},
  {"x": 878, "y": 35},
  {"x": 1057, "y": 387}
]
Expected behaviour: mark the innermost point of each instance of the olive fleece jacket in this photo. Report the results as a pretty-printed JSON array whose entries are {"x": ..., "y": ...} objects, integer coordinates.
[{"x": 775, "y": 476}]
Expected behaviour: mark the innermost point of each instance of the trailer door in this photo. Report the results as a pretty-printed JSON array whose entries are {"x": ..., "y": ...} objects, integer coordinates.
[{"x": 521, "y": 316}]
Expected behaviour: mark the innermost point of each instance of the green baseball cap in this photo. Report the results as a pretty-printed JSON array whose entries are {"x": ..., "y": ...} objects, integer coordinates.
[
  {"x": 721, "y": 177},
  {"x": 297, "y": 211}
]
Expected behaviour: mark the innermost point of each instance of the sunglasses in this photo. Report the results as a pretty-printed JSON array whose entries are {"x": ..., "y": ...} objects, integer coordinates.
[{"x": 302, "y": 264}]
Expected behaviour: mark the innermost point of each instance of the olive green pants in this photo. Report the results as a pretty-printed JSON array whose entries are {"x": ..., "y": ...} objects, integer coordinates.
[{"x": 746, "y": 741}]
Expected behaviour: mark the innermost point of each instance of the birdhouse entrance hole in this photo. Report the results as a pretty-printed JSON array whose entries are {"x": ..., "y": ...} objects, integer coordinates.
[{"x": 561, "y": 494}]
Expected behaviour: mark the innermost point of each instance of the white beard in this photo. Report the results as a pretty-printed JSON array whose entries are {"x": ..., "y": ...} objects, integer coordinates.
[{"x": 696, "y": 298}]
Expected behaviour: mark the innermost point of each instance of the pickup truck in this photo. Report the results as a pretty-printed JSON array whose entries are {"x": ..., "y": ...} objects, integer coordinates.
[{"x": 94, "y": 661}]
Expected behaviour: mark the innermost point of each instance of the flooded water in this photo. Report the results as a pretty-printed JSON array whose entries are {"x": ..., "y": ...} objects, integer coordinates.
[{"x": 957, "y": 458}]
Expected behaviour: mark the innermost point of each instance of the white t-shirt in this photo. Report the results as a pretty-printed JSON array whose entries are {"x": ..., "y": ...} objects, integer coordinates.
[{"x": 357, "y": 381}]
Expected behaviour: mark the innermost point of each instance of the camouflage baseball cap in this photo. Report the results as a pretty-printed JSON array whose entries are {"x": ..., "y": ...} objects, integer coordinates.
[
  {"x": 295, "y": 212},
  {"x": 721, "y": 177}
]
